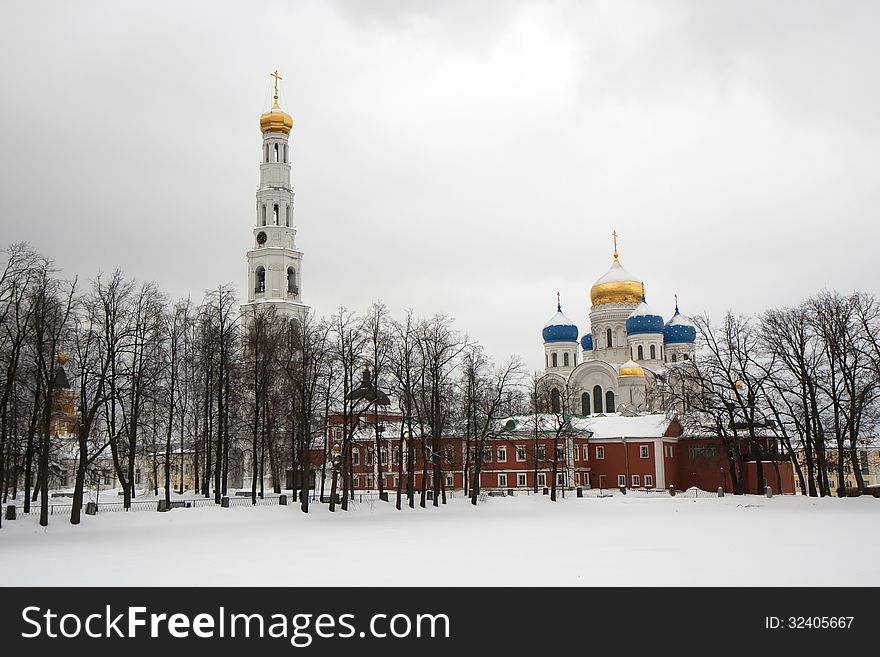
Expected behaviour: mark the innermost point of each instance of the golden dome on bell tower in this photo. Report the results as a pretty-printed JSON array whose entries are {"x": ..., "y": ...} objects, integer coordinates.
[
  {"x": 617, "y": 285},
  {"x": 276, "y": 119}
]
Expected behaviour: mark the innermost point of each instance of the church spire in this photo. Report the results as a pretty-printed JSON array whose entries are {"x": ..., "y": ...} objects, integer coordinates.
[{"x": 277, "y": 77}]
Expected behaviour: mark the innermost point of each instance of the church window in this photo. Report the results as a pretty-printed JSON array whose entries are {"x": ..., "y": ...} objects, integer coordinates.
[
  {"x": 609, "y": 401},
  {"x": 653, "y": 352},
  {"x": 565, "y": 359},
  {"x": 686, "y": 357},
  {"x": 275, "y": 214},
  {"x": 597, "y": 399},
  {"x": 554, "y": 400},
  {"x": 260, "y": 286},
  {"x": 555, "y": 360},
  {"x": 585, "y": 403},
  {"x": 264, "y": 215},
  {"x": 285, "y": 153},
  {"x": 641, "y": 353},
  {"x": 276, "y": 152},
  {"x": 546, "y": 360},
  {"x": 608, "y": 338},
  {"x": 267, "y": 153},
  {"x": 673, "y": 358},
  {"x": 287, "y": 217},
  {"x": 291, "y": 280}
]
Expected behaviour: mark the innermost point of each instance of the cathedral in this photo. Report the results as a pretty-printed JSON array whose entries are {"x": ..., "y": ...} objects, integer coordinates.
[
  {"x": 274, "y": 262},
  {"x": 610, "y": 369}
]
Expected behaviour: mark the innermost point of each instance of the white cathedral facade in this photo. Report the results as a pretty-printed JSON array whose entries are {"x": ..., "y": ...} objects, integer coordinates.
[
  {"x": 610, "y": 368},
  {"x": 274, "y": 261}
]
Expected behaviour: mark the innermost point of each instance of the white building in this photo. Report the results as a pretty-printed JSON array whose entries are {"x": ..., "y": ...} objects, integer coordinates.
[
  {"x": 274, "y": 262},
  {"x": 627, "y": 346}
]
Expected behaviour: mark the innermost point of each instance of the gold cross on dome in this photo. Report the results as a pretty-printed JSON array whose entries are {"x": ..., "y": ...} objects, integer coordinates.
[
  {"x": 277, "y": 77},
  {"x": 614, "y": 237}
]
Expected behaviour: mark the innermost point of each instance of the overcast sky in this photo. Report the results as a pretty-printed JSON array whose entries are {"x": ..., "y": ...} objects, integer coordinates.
[{"x": 470, "y": 158}]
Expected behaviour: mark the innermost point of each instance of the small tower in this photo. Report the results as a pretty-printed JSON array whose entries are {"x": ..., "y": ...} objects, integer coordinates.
[
  {"x": 560, "y": 343},
  {"x": 274, "y": 262},
  {"x": 613, "y": 298},
  {"x": 631, "y": 386},
  {"x": 644, "y": 330},
  {"x": 679, "y": 337}
]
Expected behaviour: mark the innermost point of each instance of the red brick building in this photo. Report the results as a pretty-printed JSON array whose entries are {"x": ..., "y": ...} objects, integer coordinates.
[{"x": 598, "y": 451}]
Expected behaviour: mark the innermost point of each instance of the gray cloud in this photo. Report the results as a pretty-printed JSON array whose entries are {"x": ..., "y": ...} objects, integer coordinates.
[{"x": 461, "y": 157}]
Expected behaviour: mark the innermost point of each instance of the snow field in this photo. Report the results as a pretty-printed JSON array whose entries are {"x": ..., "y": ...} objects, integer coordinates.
[{"x": 631, "y": 540}]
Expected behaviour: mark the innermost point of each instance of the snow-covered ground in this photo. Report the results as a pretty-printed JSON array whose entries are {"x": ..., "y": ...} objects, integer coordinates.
[{"x": 630, "y": 540}]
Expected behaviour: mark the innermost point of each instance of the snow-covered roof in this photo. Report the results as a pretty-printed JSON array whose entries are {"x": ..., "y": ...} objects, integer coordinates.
[
  {"x": 616, "y": 274},
  {"x": 559, "y": 320},
  {"x": 615, "y": 425},
  {"x": 611, "y": 425}
]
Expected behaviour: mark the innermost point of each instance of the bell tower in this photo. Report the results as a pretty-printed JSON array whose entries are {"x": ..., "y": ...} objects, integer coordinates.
[{"x": 274, "y": 262}]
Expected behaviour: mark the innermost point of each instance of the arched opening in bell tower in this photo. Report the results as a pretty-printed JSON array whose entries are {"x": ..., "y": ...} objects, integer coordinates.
[{"x": 260, "y": 280}]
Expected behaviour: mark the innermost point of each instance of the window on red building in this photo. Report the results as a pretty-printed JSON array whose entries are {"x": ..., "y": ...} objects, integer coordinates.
[
  {"x": 502, "y": 454},
  {"x": 643, "y": 451},
  {"x": 637, "y": 481},
  {"x": 621, "y": 480},
  {"x": 542, "y": 479},
  {"x": 520, "y": 453},
  {"x": 600, "y": 452},
  {"x": 649, "y": 481},
  {"x": 355, "y": 457},
  {"x": 502, "y": 480},
  {"x": 542, "y": 453},
  {"x": 522, "y": 480}
]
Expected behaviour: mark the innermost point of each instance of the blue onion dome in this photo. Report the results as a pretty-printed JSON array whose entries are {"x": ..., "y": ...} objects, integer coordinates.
[
  {"x": 678, "y": 329},
  {"x": 644, "y": 319},
  {"x": 560, "y": 328},
  {"x": 587, "y": 342}
]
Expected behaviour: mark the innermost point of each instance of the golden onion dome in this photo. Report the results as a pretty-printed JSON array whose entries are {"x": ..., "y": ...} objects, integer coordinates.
[
  {"x": 617, "y": 285},
  {"x": 276, "y": 120},
  {"x": 631, "y": 368}
]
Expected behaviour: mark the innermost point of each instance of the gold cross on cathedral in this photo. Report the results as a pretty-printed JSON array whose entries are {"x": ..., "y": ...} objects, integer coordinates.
[
  {"x": 277, "y": 77},
  {"x": 614, "y": 237},
  {"x": 558, "y": 302}
]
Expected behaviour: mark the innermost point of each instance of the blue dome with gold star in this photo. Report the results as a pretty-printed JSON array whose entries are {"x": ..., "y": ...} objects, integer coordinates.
[
  {"x": 560, "y": 328},
  {"x": 678, "y": 329},
  {"x": 644, "y": 319}
]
